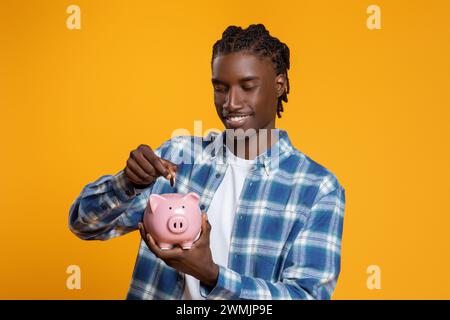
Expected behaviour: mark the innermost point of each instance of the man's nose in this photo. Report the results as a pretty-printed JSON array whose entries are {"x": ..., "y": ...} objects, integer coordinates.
[{"x": 233, "y": 101}]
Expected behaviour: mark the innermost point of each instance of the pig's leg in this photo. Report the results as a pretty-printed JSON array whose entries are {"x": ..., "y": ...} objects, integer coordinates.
[
  {"x": 186, "y": 245},
  {"x": 165, "y": 246}
]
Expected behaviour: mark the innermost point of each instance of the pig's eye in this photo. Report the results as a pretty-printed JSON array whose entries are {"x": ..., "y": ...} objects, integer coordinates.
[
  {"x": 183, "y": 207},
  {"x": 170, "y": 208}
]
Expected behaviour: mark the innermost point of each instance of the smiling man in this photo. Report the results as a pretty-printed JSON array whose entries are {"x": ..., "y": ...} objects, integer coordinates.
[{"x": 273, "y": 218}]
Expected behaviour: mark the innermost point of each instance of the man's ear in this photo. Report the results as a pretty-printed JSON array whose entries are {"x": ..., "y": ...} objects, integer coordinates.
[{"x": 280, "y": 84}]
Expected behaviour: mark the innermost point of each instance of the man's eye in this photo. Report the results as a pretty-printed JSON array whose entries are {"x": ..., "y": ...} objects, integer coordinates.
[
  {"x": 219, "y": 89},
  {"x": 248, "y": 88}
]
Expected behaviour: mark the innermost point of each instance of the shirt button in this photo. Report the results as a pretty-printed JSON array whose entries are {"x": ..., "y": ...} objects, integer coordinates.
[
  {"x": 202, "y": 207},
  {"x": 217, "y": 175}
]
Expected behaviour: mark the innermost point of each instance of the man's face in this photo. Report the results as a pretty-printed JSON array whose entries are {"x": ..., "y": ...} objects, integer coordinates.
[{"x": 246, "y": 91}]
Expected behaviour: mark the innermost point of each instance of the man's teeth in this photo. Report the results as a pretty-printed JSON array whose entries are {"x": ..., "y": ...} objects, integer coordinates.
[{"x": 238, "y": 117}]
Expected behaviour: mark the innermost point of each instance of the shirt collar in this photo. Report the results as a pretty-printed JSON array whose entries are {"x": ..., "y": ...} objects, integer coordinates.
[{"x": 269, "y": 160}]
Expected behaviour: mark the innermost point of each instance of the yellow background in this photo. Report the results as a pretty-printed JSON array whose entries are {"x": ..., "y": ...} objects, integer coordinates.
[{"x": 372, "y": 106}]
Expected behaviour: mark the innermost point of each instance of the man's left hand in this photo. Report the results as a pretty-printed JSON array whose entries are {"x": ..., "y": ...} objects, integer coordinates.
[{"x": 196, "y": 261}]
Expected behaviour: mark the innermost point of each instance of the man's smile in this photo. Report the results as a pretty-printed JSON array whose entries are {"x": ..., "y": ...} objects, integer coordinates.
[{"x": 237, "y": 120}]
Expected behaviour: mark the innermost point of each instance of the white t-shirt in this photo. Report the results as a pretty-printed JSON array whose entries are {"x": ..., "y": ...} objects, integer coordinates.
[{"x": 221, "y": 217}]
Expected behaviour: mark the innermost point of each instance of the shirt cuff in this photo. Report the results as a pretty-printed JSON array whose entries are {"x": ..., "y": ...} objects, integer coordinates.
[
  {"x": 123, "y": 188},
  {"x": 228, "y": 286}
]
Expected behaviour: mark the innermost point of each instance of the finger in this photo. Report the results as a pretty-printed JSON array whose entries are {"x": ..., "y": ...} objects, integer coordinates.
[
  {"x": 152, "y": 245},
  {"x": 132, "y": 176},
  {"x": 144, "y": 164},
  {"x": 141, "y": 230},
  {"x": 204, "y": 235},
  {"x": 172, "y": 166},
  {"x": 143, "y": 235},
  {"x": 151, "y": 240},
  {"x": 132, "y": 164},
  {"x": 174, "y": 253},
  {"x": 141, "y": 226},
  {"x": 205, "y": 221},
  {"x": 207, "y": 226},
  {"x": 163, "y": 254},
  {"x": 156, "y": 162}
]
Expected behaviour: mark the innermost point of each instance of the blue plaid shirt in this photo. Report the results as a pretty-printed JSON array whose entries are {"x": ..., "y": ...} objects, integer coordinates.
[{"x": 286, "y": 239}]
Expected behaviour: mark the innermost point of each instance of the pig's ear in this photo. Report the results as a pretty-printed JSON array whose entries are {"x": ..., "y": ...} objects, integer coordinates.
[
  {"x": 192, "y": 196},
  {"x": 155, "y": 200}
]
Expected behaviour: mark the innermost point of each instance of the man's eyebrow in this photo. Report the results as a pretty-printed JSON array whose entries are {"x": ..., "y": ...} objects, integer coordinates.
[
  {"x": 216, "y": 81},
  {"x": 245, "y": 79},
  {"x": 249, "y": 78}
]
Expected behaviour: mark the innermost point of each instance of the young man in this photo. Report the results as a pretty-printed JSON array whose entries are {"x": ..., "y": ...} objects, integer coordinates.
[{"x": 275, "y": 216}]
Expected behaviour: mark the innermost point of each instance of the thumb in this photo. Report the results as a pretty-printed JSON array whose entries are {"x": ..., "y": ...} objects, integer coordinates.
[{"x": 205, "y": 223}]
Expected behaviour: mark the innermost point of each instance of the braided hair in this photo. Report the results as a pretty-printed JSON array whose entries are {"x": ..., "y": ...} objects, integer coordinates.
[{"x": 256, "y": 40}]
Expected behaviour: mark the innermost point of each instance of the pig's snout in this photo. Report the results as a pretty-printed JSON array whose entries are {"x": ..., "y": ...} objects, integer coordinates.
[{"x": 177, "y": 224}]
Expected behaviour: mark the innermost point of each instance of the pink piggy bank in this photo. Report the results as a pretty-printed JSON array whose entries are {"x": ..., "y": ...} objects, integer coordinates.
[{"x": 173, "y": 218}]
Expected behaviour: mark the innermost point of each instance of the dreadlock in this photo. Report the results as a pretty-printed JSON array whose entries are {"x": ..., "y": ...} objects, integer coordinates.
[{"x": 256, "y": 40}]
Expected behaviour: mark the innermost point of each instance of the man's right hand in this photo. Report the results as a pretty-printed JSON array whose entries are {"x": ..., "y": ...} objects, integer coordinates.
[{"x": 144, "y": 167}]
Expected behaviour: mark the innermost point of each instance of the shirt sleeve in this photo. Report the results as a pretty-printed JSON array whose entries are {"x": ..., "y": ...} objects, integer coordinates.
[
  {"x": 110, "y": 206},
  {"x": 312, "y": 265}
]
